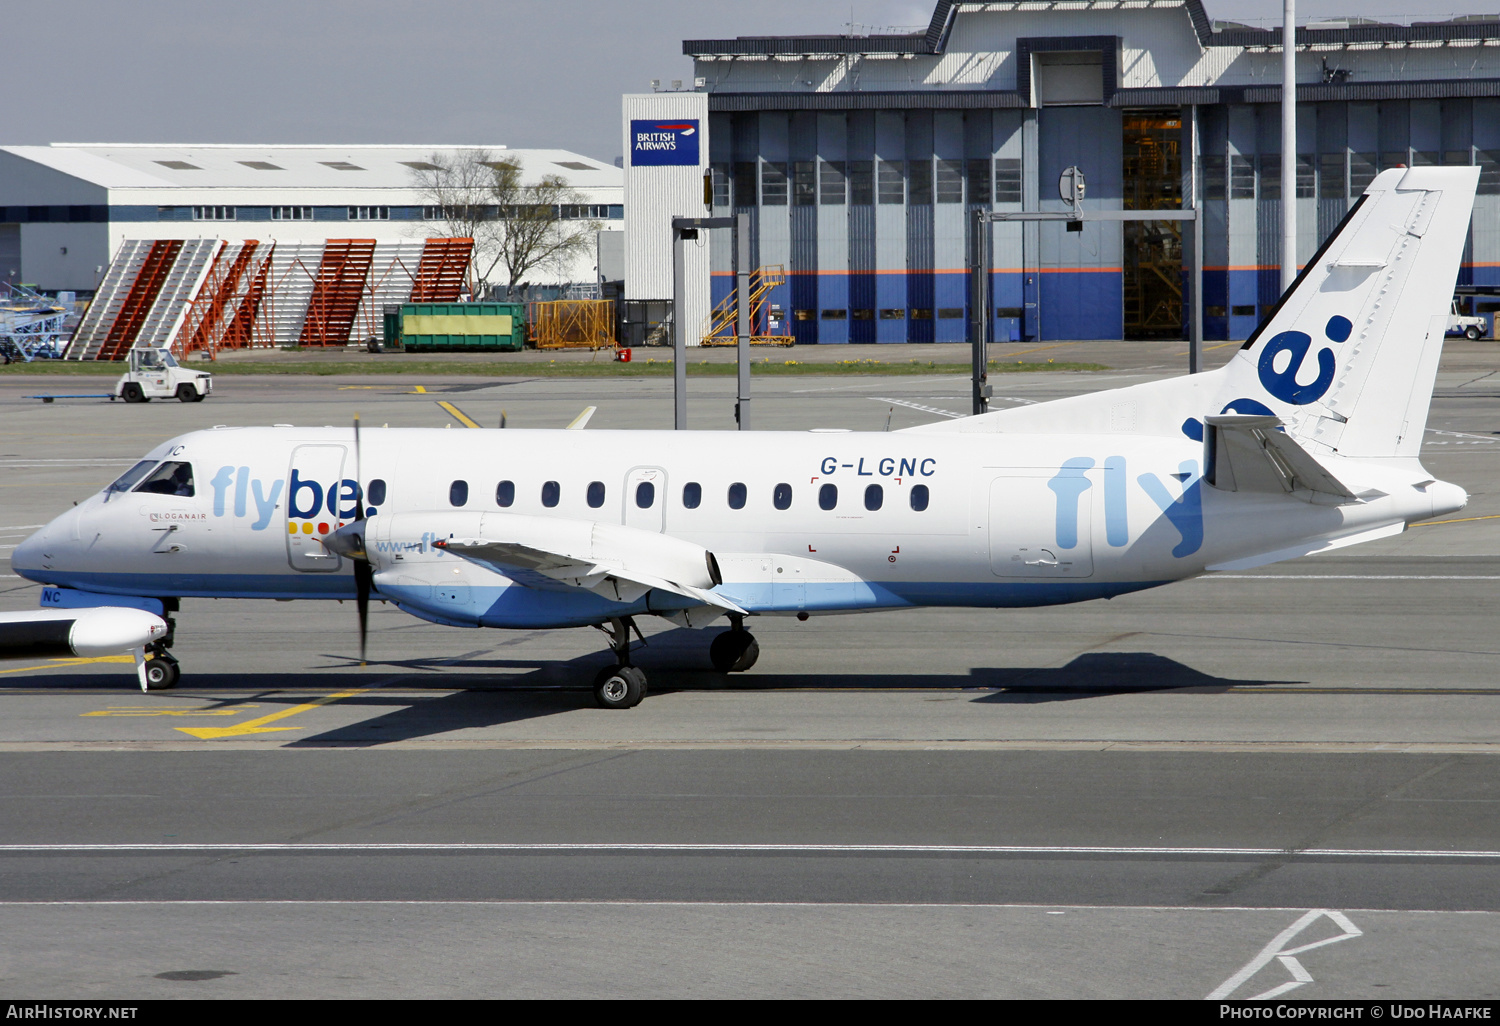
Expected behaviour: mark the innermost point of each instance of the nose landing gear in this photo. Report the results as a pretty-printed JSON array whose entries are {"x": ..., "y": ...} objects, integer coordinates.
[
  {"x": 622, "y": 685},
  {"x": 161, "y": 669}
]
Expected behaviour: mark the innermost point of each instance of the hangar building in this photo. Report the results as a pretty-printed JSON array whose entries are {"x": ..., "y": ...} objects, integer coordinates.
[
  {"x": 858, "y": 157},
  {"x": 66, "y": 209}
]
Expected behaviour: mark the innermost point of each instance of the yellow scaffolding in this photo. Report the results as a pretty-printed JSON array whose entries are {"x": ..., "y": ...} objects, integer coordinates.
[
  {"x": 572, "y": 324},
  {"x": 720, "y": 328}
]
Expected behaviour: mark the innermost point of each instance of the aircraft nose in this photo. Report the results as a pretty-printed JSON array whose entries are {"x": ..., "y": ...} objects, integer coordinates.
[
  {"x": 27, "y": 556},
  {"x": 37, "y": 553}
]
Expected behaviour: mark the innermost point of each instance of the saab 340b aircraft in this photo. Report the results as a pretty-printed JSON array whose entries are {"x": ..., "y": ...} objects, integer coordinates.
[{"x": 1308, "y": 439}]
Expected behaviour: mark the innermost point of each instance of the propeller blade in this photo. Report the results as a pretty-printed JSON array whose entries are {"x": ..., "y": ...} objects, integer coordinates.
[{"x": 362, "y": 576}]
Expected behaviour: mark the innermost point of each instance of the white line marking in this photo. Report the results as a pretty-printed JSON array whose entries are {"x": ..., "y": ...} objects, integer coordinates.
[
  {"x": 733, "y": 848},
  {"x": 1347, "y": 576},
  {"x": 1278, "y": 950},
  {"x": 1464, "y": 434},
  {"x": 22, "y": 527},
  {"x": 919, "y": 406}
]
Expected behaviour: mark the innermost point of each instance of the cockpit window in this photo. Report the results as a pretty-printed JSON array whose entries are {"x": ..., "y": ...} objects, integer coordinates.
[
  {"x": 171, "y": 478},
  {"x": 129, "y": 479}
]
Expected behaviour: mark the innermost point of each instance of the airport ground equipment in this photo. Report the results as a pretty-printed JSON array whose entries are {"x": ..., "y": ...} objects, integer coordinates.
[
  {"x": 430, "y": 326},
  {"x": 31, "y": 325},
  {"x": 204, "y": 295},
  {"x": 722, "y": 329},
  {"x": 154, "y": 373},
  {"x": 1460, "y": 323},
  {"x": 572, "y": 324}
]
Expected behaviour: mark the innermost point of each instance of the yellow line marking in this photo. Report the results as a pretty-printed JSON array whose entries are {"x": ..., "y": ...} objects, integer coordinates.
[
  {"x": 1038, "y": 349},
  {"x": 165, "y": 712},
  {"x": 1460, "y": 520},
  {"x": 582, "y": 419},
  {"x": 418, "y": 390},
  {"x": 258, "y": 726},
  {"x": 459, "y": 415},
  {"x": 1208, "y": 349},
  {"x": 57, "y": 664}
]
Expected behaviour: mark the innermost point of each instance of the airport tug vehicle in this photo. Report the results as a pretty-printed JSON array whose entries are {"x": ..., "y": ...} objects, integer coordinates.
[
  {"x": 154, "y": 373},
  {"x": 1307, "y": 440}
]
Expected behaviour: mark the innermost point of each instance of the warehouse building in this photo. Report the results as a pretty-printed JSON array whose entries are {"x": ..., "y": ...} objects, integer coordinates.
[
  {"x": 861, "y": 157},
  {"x": 67, "y": 210}
]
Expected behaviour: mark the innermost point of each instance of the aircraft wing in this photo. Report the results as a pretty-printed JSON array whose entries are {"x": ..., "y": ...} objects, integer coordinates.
[
  {"x": 1249, "y": 453},
  {"x": 620, "y": 563}
]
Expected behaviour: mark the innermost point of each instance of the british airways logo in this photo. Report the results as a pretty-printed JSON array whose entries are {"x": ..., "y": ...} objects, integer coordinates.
[{"x": 664, "y": 143}]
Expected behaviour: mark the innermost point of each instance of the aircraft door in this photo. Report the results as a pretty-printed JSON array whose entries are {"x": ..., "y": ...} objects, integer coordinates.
[
  {"x": 646, "y": 498},
  {"x": 1041, "y": 527},
  {"x": 314, "y": 490}
]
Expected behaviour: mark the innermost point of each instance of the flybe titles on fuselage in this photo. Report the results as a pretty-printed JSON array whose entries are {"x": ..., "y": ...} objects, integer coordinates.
[{"x": 328, "y": 505}]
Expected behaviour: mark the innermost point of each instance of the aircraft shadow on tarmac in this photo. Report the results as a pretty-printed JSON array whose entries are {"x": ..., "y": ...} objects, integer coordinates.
[{"x": 465, "y": 696}]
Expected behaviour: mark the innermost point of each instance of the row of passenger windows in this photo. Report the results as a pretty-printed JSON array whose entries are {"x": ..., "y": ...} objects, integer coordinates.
[{"x": 692, "y": 495}]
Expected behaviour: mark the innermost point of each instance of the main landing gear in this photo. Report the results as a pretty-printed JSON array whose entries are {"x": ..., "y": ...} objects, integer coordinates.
[
  {"x": 736, "y": 650},
  {"x": 620, "y": 686}
]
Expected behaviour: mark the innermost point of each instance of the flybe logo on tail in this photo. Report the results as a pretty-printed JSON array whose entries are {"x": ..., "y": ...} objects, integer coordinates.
[
  {"x": 234, "y": 489},
  {"x": 1280, "y": 368}
]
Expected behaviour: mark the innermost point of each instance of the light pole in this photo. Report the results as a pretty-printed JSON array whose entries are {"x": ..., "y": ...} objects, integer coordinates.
[{"x": 1288, "y": 144}]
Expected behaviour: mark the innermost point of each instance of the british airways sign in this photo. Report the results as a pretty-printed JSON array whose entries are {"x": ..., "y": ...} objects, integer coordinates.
[{"x": 664, "y": 143}]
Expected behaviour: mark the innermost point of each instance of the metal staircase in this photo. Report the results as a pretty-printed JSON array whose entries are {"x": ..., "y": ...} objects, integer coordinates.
[
  {"x": 721, "y": 326},
  {"x": 440, "y": 276},
  {"x": 337, "y": 292},
  {"x": 105, "y": 307},
  {"x": 180, "y": 284}
]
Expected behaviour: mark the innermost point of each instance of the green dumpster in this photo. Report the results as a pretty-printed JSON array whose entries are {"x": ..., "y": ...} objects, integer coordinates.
[{"x": 431, "y": 326}]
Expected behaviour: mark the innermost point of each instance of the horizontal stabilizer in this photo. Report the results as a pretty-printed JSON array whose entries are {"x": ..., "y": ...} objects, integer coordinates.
[{"x": 1251, "y": 453}]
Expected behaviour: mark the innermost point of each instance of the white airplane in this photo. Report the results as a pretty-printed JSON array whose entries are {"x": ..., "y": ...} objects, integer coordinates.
[{"x": 1307, "y": 440}]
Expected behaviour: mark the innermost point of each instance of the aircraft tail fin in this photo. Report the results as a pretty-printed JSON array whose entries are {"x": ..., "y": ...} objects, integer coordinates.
[{"x": 1348, "y": 357}]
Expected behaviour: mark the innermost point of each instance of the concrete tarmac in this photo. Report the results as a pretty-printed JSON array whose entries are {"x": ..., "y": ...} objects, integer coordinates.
[{"x": 1122, "y": 798}]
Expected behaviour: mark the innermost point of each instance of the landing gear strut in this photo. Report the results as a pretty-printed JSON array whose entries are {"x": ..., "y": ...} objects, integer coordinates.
[
  {"x": 736, "y": 650},
  {"x": 622, "y": 685},
  {"x": 162, "y": 671}
]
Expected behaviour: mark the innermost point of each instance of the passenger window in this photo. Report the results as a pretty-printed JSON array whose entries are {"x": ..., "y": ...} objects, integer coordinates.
[
  {"x": 692, "y": 494},
  {"x": 828, "y": 496},
  {"x": 736, "y": 496},
  {"x": 919, "y": 497},
  {"x": 874, "y": 497},
  {"x": 781, "y": 498},
  {"x": 505, "y": 493},
  {"x": 170, "y": 479},
  {"x": 551, "y": 491},
  {"x": 375, "y": 496},
  {"x": 128, "y": 479},
  {"x": 645, "y": 494},
  {"x": 458, "y": 493},
  {"x": 596, "y": 494}
]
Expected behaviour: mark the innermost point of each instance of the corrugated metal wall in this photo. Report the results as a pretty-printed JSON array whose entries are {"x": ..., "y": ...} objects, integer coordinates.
[{"x": 653, "y": 196}]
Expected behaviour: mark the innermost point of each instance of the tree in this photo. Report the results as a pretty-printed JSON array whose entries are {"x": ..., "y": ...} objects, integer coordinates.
[{"x": 516, "y": 226}]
